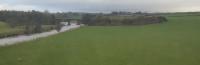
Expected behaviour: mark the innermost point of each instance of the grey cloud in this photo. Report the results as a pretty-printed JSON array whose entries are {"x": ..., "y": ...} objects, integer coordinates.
[{"x": 105, "y": 5}]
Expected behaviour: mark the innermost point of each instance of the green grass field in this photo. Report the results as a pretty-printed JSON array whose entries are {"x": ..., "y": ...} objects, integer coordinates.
[
  {"x": 4, "y": 27},
  {"x": 176, "y": 42},
  {"x": 5, "y": 30}
]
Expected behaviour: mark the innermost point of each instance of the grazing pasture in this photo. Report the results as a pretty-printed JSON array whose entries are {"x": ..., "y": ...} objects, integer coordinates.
[
  {"x": 7, "y": 31},
  {"x": 176, "y": 42},
  {"x": 5, "y": 27}
]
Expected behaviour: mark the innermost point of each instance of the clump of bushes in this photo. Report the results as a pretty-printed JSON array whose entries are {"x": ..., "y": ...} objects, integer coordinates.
[{"x": 34, "y": 29}]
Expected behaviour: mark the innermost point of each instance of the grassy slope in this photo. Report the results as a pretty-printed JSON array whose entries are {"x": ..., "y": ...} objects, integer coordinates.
[
  {"x": 3, "y": 26},
  {"x": 172, "y": 43},
  {"x": 6, "y": 29}
]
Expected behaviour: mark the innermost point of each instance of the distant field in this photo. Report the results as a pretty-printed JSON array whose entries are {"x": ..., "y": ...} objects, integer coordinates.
[
  {"x": 173, "y": 43},
  {"x": 4, "y": 27},
  {"x": 7, "y": 31}
]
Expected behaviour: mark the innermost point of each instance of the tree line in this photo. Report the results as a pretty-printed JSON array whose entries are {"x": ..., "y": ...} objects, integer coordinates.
[
  {"x": 18, "y": 18},
  {"x": 121, "y": 18}
]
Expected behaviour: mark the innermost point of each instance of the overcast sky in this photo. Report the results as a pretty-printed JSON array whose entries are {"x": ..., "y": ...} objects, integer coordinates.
[{"x": 102, "y": 5}]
